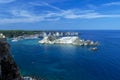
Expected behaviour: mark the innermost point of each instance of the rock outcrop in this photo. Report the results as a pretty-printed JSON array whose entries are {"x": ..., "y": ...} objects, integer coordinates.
[
  {"x": 8, "y": 67},
  {"x": 74, "y": 40}
]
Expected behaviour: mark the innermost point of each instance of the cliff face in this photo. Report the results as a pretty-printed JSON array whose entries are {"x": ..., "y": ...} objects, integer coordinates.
[{"x": 8, "y": 67}]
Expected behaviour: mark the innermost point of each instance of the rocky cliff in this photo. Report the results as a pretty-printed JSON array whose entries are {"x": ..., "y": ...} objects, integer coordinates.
[{"x": 8, "y": 67}]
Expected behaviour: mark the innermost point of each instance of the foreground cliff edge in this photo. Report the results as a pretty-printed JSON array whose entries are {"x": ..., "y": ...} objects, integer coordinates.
[{"x": 8, "y": 68}]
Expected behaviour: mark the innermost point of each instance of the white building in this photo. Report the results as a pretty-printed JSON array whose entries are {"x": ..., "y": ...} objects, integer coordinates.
[{"x": 2, "y": 36}]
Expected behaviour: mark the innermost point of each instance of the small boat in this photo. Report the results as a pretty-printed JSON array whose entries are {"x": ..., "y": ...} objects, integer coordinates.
[
  {"x": 14, "y": 40},
  {"x": 94, "y": 49}
]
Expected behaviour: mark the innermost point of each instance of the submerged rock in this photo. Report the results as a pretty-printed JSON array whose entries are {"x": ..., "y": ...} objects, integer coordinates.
[
  {"x": 28, "y": 78},
  {"x": 93, "y": 49}
]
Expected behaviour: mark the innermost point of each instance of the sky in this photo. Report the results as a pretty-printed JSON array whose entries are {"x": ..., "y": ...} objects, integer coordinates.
[{"x": 59, "y": 14}]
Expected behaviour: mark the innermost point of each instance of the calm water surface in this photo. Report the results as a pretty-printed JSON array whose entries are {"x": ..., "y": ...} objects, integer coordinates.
[{"x": 67, "y": 62}]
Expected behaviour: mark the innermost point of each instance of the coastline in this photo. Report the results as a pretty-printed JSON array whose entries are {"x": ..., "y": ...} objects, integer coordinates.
[{"x": 70, "y": 62}]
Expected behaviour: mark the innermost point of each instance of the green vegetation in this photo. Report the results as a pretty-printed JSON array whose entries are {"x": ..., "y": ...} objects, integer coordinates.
[{"x": 15, "y": 33}]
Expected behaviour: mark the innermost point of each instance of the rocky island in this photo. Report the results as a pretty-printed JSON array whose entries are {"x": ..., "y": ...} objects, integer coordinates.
[{"x": 73, "y": 40}]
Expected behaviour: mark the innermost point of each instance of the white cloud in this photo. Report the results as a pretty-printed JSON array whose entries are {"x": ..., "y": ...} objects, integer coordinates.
[
  {"x": 25, "y": 20},
  {"x": 89, "y": 15},
  {"x": 45, "y": 4},
  {"x": 74, "y": 14},
  {"x": 6, "y": 1},
  {"x": 112, "y": 4},
  {"x": 24, "y": 16},
  {"x": 21, "y": 13},
  {"x": 27, "y": 16}
]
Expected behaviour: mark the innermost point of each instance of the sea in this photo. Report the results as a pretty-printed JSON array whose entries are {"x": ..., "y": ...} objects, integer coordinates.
[{"x": 70, "y": 62}]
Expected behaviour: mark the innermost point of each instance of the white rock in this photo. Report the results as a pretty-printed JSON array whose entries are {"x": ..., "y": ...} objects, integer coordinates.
[
  {"x": 74, "y": 40},
  {"x": 28, "y": 78},
  {"x": 63, "y": 40}
]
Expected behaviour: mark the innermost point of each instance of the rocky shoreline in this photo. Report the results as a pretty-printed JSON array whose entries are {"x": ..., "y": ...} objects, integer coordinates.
[
  {"x": 8, "y": 68},
  {"x": 72, "y": 40}
]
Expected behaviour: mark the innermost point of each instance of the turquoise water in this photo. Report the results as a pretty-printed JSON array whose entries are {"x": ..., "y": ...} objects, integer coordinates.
[{"x": 68, "y": 62}]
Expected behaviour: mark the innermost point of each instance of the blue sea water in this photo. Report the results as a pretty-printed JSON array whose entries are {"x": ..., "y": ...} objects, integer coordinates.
[{"x": 68, "y": 62}]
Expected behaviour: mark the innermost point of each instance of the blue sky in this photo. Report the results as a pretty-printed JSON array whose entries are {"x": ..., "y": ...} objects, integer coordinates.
[{"x": 60, "y": 14}]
